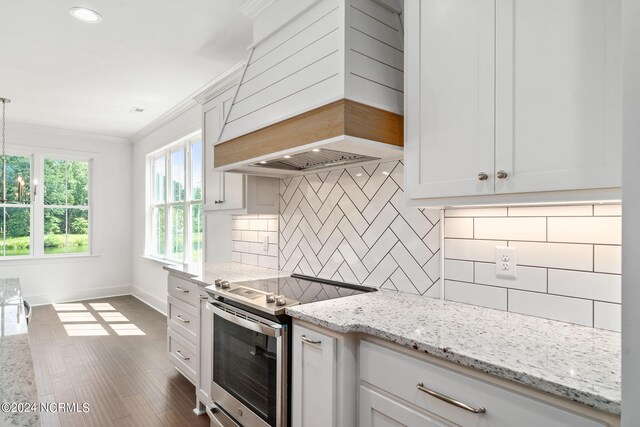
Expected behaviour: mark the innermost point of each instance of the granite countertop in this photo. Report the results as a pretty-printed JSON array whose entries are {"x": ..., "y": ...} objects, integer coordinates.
[
  {"x": 575, "y": 362},
  {"x": 16, "y": 376},
  {"x": 206, "y": 274}
]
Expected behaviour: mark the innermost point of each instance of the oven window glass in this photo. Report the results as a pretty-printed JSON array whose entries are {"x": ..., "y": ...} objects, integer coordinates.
[{"x": 244, "y": 364}]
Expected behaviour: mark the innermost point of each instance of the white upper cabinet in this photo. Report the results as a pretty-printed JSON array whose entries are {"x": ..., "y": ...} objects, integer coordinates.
[
  {"x": 512, "y": 101},
  {"x": 226, "y": 191}
]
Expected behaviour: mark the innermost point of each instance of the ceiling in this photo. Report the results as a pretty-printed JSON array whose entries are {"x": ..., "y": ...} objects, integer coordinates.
[{"x": 64, "y": 73}]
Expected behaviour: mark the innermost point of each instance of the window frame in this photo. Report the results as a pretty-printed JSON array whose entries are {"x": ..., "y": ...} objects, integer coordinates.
[
  {"x": 36, "y": 236},
  {"x": 186, "y": 145}
]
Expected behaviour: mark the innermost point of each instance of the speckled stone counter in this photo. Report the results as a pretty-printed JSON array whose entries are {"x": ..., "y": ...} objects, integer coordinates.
[
  {"x": 17, "y": 379},
  {"x": 575, "y": 362},
  {"x": 206, "y": 274}
]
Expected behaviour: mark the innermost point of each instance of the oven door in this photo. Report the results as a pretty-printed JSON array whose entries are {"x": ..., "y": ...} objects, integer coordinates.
[{"x": 249, "y": 367}]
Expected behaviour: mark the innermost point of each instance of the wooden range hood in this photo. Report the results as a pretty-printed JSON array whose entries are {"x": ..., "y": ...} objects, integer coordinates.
[
  {"x": 326, "y": 74},
  {"x": 339, "y": 118}
]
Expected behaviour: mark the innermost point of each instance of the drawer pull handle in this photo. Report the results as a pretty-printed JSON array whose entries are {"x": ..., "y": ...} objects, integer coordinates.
[
  {"x": 308, "y": 341},
  {"x": 447, "y": 399},
  {"x": 181, "y": 319},
  {"x": 184, "y": 291},
  {"x": 204, "y": 297},
  {"x": 181, "y": 356}
]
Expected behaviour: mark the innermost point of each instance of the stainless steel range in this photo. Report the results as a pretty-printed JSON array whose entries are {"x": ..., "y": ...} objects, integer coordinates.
[{"x": 251, "y": 345}]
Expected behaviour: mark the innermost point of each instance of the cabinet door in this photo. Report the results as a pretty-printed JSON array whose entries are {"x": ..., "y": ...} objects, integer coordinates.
[
  {"x": 377, "y": 410},
  {"x": 211, "y": 128},
  {"x": 233, "y": 188},
  {"x": 449, "y": 66},
  {"x": 313, "y": 396},
  {"x": 205, "y": 345},
  {"x": 558, "y": 94}
]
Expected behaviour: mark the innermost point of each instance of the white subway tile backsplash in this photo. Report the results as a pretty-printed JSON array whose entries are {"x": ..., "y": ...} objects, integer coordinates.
[
  {"x": 486, "y": 296},
  {"x": 530, "y": 229},
  {"x": 242, "y": 246},
  {"x": 353, "y": 225},
  {"x": 250, "y": 259},
  {"x": 544, "y": 211},
  {"x": 608, "y": 259},
  {"x": 602, "y": 230},
  {"x": 568, "y": 259},
  {"x": 555, "y": 255},
  {"x": 553, "y": 307},
  {"x": 475, "y": 212},
  {"x": 461, "y": 228},
  {"x": 247, "y": 240},
  {"x": 461, "y": 271},
  {"x": 594, "y": 286},
  {"x": 268, "y": 261},
  {"x": 607, "y": 210},
  {"x": 607, "y": 316},
  {"x": 527, "y": 278},
  {"x": 471, "y": 250}
]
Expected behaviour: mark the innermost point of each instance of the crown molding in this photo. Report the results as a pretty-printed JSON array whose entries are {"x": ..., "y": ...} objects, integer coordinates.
[
  {"x": 252, "y": 8},
  {"x": 205, "y": 92}
]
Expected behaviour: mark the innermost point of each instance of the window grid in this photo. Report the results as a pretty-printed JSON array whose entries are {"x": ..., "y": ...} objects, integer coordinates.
[
  {"x": 35, "y": 205},
  {"x": 168, "y": 205}
]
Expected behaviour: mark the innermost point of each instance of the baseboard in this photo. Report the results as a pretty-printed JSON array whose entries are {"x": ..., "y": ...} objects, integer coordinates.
[
  {"x": 153, "y": 302},
  {"x": 79, "y": 295}
]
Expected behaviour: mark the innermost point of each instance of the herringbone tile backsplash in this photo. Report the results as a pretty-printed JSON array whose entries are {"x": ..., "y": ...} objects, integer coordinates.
[{"x": 352, "y": 225}]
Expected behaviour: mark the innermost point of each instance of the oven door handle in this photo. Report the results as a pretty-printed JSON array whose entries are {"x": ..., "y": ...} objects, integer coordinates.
[{"x": 248, "y": 323}]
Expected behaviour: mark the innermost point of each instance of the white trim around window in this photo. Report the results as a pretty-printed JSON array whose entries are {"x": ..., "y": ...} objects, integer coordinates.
[
  {"x": 37, "y": 156},
  {"x": 161, "y": 208}
]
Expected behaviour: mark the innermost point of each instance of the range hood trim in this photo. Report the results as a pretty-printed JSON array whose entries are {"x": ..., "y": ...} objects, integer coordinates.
[{"x": 342, "y": 118}]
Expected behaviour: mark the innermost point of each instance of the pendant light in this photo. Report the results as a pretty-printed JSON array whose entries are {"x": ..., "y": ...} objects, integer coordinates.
[{"x": 3, "y": 196}]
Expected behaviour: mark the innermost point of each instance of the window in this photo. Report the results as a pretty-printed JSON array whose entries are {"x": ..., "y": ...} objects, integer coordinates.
[
  {"x": 55, "y": 219},
  {"x": 66, "y": 206},
  {"x": 174, "y": 224},
  {"x": 15, "y": 215}
]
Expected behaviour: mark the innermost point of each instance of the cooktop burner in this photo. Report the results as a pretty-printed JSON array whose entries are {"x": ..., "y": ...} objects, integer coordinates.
[{"x": 274, "y": 295}]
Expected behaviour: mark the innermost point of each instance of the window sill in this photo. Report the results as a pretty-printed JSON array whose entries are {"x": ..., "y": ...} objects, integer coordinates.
[
  {"x": 45, "y": 259},
  {"x": 161, "y": 261}
]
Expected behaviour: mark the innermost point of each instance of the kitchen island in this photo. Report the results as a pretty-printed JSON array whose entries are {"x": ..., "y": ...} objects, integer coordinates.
[{"x": 17, "y": 374}]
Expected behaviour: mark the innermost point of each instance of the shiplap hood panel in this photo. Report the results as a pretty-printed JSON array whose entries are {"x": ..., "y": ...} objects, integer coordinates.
[{"x": 323, "y": 72}]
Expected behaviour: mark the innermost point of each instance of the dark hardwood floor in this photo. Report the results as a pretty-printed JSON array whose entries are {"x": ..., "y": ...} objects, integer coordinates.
[{"x": 126, "y": 379}]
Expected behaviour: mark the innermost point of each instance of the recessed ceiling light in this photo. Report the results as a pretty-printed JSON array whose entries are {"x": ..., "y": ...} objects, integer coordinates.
[
  {"x": 137, "y": 110},
  {"x": 263, "y": 162},
  {"x": 315, "y": 150},
  {"x": 85, "y": 15},
  {"x": 287, "y": 157}
]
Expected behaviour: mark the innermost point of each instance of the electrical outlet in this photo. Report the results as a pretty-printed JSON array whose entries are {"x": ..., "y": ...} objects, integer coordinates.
[
  {"x": 265, "y": 243},
  {"x": 506, "y": 262}
]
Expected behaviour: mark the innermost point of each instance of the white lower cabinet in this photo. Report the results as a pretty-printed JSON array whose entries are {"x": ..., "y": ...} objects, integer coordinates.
[
  {"x": 323, "y": 385},
  {"x": 398, "y": 375},
  {"x": 205, "y": 346},
  {"x": 377, "y": 410}
]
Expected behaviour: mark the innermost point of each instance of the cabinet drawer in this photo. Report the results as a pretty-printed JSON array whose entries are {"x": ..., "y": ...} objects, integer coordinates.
[
  {"x": 402, "y": 374},
  {"x": 183, "y": 290},
  {"x": 182, "y": 354},
  {"x": 182, "y": 318}
]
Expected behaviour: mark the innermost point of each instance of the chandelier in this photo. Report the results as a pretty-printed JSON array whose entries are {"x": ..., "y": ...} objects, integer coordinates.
[{"x": 3, "y": 196}]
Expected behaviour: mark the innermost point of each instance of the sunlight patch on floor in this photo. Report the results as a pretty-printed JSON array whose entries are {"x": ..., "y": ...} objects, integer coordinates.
[
  {"x": 84, "y": 316},
  {"x": 102, "y": 306},
  {"x": 70, "y": 307},
  {"x": 115, "y": 316},
  {"x": 85, "y": 330},
  {"x": 126, "y": 329}
]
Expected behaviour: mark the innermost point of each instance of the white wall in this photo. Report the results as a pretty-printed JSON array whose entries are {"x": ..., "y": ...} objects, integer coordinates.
[
  {"x": 109, "y": 271},
  {"x": 149, "y": 279},
  {"x": 631, "y": 213}
]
